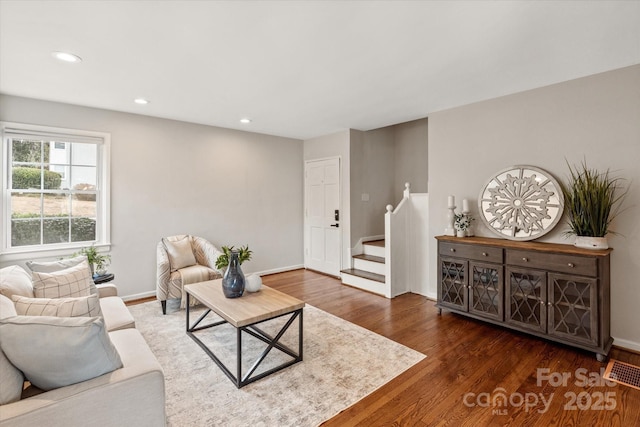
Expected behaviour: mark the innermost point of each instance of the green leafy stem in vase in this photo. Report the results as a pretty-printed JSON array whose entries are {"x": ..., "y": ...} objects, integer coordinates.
[
  {"x": 97, "y": 261},
  {"x": 463, "y": 221},
  {"x": 244, "y": 254}
]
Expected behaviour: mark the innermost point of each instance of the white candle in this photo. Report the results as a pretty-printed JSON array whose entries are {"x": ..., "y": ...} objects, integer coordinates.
[
  {"x": 451, "y": 201},
  {"x": 465, "y": 205}
]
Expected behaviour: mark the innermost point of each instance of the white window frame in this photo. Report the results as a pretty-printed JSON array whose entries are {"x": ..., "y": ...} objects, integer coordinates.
[{"x": 103, "y": 221}]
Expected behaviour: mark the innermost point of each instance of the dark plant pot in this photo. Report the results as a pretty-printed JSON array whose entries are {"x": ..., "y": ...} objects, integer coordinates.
[{"x": 233, "y": 279}]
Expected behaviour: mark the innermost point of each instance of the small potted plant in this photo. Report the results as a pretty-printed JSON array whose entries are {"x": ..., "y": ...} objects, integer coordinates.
[
  {"x": 593, "y": 200},
  {"x": 462, "y": 222},
  {"x": 97, "y": 261}
]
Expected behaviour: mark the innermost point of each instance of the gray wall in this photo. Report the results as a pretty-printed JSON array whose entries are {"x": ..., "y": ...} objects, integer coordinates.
[
  {"x": 411, "y": 141},
  {"x": 596, "y": 118},
  {"x": 372, "y": 155},
  {"x": 170, "y": 177}
]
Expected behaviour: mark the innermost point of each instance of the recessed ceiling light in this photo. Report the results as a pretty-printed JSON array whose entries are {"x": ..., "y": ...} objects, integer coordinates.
[
  {"x": 245, "y": 120},
  {"x": 66, "y": 57},
  {"x": 141, "y": 101}
]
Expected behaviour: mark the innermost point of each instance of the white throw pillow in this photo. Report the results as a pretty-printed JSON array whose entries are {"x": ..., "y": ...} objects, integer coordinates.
[
  {"x": 180, "y": 253},
  {"x": 55, "y": 352},
  {"x": 71, "y": 282},
  {"x": 11, "y": 379},
  {"x": 53, "y": 266},
  {"x": 88, "y": 306},
  {"x": 14, "y": 280}
]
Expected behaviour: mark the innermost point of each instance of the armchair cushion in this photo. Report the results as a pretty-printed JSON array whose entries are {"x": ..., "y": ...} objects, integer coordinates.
[
  {"x": 14, "y": 280},
  {"x": 180, "y": 253},
  {"x": 88, "y": 306},
  {"x": 58, "y": 351},
  {"x": 71, "y": 282}
]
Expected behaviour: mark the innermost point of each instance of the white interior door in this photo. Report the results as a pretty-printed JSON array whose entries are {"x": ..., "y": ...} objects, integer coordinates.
[{"x": 322, "y": 216}]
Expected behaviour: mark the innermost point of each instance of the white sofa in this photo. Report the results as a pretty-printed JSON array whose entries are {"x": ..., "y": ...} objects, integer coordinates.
[{"x": 133, "y": 395}]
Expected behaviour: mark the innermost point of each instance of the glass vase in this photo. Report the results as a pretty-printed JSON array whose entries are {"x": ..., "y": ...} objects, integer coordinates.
[{"x": 233, "y": 279}]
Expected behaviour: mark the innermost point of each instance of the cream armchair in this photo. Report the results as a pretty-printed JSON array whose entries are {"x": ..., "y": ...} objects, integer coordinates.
[{"x": 181, "y": 260}]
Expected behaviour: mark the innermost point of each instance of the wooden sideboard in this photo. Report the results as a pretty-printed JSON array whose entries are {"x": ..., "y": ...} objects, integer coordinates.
[{"x": 553, "y": 291}]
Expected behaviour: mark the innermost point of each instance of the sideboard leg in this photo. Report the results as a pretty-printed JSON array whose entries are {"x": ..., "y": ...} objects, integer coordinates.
[{"x": 601, "y": 357}]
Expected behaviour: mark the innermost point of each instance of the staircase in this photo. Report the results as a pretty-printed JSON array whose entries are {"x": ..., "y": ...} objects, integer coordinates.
[{"x": 368, "y": 270}]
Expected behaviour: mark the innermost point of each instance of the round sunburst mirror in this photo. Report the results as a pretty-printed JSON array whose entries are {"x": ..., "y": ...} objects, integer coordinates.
[{"x": 521, "y": 203}]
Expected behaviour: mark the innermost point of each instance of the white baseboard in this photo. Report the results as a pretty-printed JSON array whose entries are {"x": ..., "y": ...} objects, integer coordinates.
[
  {"x": 277, "y": 270},
  {"x": 427, "y": 295},
  {"x": 139, "y": 296},
  {"x": 626, "y": 344}
]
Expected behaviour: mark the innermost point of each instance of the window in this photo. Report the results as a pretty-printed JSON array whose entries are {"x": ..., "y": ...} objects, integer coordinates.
[{"x": 55, "y": 189}]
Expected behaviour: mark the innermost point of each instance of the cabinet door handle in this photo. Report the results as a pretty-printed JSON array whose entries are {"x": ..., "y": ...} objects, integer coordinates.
[
  {"x": 452, "y": 250},
  {"x": 485, "y": 254},
  {"x": 525, "y": 259},
  {"x": 571, "y": 265},
  {"x": 549, "y": 303}
]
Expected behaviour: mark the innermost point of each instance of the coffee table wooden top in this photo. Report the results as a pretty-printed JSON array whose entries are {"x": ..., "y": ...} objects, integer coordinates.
[{"x": 250, "y": 308}]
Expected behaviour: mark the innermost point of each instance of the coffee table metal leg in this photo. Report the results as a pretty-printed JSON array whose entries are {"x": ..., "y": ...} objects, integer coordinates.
[
  {"x": 273, "y": 342},
  {"x": 239, "y": 357},
  {"x": 238, "y": 380}
]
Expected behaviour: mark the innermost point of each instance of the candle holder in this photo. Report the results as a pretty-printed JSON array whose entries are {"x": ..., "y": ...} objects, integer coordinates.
[{"x": 451, "y": 217}]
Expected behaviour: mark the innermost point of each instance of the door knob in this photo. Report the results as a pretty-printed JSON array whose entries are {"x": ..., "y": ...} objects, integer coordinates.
[{"x": 335, "y": 225}]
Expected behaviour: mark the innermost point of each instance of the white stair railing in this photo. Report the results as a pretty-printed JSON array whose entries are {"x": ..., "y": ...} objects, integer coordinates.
[{"x": 406, "y": 245}]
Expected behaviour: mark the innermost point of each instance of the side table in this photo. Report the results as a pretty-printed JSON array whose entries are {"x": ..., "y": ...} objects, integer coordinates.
[{"x": 103, "y": 279}]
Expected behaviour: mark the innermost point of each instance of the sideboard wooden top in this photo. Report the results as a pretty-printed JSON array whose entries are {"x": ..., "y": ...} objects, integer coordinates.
[{"x": 531, "y": 246}]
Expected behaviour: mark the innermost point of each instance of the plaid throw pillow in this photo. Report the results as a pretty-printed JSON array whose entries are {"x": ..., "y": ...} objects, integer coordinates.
[
  {"x": 71, "y": 282},
  {"x": 88, "y": 306}
]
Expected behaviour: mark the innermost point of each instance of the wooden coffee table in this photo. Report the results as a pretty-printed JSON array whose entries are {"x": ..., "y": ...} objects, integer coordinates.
[{"x": 245, "y": 313}]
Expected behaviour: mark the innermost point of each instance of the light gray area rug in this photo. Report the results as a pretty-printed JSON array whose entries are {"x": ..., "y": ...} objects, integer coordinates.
[{"x": 342, "y": 364}]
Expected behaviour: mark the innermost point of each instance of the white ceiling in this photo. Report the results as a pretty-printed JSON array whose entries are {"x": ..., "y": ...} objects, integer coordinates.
[{"x": 307, "y": 68}]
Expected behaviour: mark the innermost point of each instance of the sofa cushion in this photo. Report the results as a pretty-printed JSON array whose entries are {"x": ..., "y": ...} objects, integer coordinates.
[
  {"x": 14, "y": 280},
  {"x": 88, "y": 306},
  {"x": 116, "y": 314},
  {"x": 11, "y": 379},
  {"x": 180, "y": 253},
  {"x": 54, "y": 352},
  {"x": 53, "y": 266},
  {"x": 71, "y": 282}
]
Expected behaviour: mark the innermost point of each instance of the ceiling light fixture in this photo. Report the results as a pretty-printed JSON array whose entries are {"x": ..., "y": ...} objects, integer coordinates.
[
  {"x": 245, "y": 121},
  {"x": 141, "y": 101},
  {"x": 66, "y": 57}
]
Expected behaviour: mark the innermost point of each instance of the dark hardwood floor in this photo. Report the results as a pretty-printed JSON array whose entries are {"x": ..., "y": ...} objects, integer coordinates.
[{"x": 469, "y": 366}]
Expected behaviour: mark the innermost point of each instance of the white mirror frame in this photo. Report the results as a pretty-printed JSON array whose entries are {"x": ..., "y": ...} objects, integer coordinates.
[{"x": 521, "y": 203}]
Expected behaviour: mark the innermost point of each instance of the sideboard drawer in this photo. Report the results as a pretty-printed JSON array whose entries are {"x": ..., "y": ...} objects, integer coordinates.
[
  {"x": 574, "y": 264},
  {"x": 474, "y": 252}
]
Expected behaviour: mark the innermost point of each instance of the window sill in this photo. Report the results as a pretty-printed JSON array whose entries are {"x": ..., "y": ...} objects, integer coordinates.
[{"x": 40, "y": 253}]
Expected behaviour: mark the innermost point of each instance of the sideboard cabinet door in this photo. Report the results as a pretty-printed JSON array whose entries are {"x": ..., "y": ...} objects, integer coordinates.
[
  {"x": 573, "y": 308},
  {"x": 526, "y": 298},
  {"x": 486, "y": 290},
  {"x": 452, "y": 289}
]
